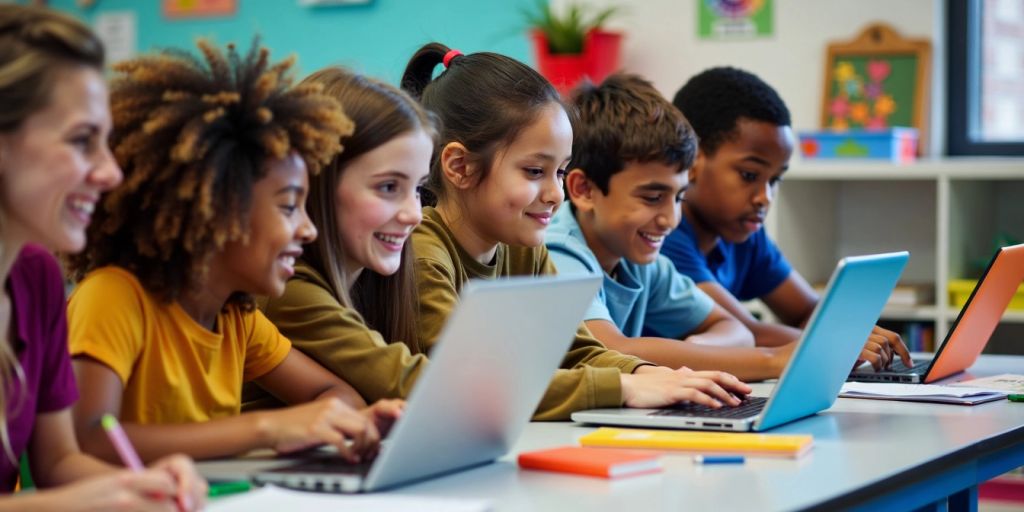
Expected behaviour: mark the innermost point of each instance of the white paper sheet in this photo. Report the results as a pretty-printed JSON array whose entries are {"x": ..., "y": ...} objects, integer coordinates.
[
  {"x": 920, "y": 392},
  {"x": 276, "y": 498}
]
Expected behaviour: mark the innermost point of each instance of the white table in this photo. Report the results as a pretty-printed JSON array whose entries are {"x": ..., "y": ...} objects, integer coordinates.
[{"x": 867, "y": 454}]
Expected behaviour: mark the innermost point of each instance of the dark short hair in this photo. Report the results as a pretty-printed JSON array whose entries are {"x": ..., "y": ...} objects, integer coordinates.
[
  {"x": 484, "y": 100},
  {"x": 623, "y": 120},
  {"x": 716, "y": 99}
]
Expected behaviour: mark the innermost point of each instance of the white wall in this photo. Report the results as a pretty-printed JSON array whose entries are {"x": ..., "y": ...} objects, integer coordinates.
[{"x": 662, "y": 44}]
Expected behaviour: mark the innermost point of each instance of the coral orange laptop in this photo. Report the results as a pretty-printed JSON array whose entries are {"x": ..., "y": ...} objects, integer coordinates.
[{"x": 972, "y": 329}]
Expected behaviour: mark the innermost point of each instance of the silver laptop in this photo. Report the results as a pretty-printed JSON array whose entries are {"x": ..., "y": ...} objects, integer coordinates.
[
  {"x": 492, "y": 364},
  {"x": 827, "y": 349}
]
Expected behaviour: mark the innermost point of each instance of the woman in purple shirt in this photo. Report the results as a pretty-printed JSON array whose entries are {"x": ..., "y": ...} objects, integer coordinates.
[{"x": 54, "y": 164}]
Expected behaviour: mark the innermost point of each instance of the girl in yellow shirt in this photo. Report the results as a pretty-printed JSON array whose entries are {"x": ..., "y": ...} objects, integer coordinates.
[{"x": 163, "y": 328}]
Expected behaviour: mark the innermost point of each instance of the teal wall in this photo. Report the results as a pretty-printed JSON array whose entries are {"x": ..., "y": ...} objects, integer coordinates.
[{"x": 376, "y": 39}]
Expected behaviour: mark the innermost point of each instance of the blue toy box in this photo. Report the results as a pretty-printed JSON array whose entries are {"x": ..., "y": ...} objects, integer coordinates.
[{"x": 893, "y": 144}]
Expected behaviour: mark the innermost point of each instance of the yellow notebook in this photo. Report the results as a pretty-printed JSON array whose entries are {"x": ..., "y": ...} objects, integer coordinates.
[{"x": 772, "y": 445}]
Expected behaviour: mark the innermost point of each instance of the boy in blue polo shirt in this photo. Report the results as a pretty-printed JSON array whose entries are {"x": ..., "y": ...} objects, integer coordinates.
[
  {"x": 631, "y": 150},
  {"x": 745, "y": 145}
]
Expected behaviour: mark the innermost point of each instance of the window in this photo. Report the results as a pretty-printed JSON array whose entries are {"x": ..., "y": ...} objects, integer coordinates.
[{"x": 986, "y": 77}]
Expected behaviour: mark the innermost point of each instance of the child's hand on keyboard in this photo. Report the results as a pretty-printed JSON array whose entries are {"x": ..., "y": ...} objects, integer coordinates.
[
  {"x": 882, "y": 345},
  {"x": 655, "y": 386}
]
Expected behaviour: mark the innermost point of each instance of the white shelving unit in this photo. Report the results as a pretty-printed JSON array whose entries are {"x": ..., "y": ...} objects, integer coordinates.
[{"x": 946, "y": 212}]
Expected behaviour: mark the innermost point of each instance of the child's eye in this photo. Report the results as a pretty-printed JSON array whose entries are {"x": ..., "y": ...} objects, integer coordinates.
[
  {"x": 388, "y": 187},
  {"x": 534, "y": 172},
  {"x": 419, "y": 190},
  {"x": 562, "y": 173},
  {"x": 82, "y": 143},
  {"x": 775, "y": 181},
  {"x": 289, "y": 208},
  {"x": 652, "y": 199},
  {"x": 679, "y": 196},
  {"x": 748, "y": 176}
]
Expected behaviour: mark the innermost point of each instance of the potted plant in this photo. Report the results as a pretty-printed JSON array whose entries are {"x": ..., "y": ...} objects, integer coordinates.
[{"x": 573, "y": 45}]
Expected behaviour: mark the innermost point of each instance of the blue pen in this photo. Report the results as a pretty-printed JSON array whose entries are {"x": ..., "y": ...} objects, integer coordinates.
[{"x": 718, "y": 459}]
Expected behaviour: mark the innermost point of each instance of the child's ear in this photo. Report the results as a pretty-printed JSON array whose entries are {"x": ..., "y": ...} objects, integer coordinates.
[
  {"x": 579, "y": 189},
  {"x": 698, "y": 167},
  {"x": 455, "y": 165}
]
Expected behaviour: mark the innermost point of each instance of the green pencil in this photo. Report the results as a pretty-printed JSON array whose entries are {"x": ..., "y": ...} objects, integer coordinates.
[{"x": 225, "y": 488}]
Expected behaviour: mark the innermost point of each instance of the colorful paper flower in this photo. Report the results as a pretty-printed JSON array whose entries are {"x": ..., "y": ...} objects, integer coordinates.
[
  {"x": 878, "y": 70},
  {"x": 884, "y": 105},
  {"x": 844, "y": 71},
  {"x": 859, "y": 112},
  {"x": 839, "y": 107}
]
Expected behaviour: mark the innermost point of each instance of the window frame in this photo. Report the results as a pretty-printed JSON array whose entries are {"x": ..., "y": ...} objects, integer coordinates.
[{"x": 963, "y": 43}]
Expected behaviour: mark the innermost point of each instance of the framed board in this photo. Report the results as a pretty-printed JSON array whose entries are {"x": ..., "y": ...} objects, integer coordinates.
[{"x": 878, "y": 80}]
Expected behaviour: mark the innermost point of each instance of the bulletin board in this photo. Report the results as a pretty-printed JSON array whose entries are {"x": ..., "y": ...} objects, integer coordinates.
[{"x": 877, "y": 80}]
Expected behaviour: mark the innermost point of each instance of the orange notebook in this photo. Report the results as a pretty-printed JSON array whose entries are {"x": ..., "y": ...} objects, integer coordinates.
[{"x": 602, "y": 462}]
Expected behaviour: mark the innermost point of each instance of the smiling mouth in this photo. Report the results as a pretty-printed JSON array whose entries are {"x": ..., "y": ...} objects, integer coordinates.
[
  {"x": 654, "y": 239},
  {"x": 82, "y": 206},
  {"x": 390, "y": 239},
  {"x": 543, "y": 218},
  {"x": 287, "y": 259}
]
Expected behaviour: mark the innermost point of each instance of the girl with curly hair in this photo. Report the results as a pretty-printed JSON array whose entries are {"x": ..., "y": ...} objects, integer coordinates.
[{"x": 163, "y": 326}]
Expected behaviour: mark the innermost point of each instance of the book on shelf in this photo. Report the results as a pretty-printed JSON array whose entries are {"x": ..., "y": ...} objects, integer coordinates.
[
  {"x": 601, "y": 462},
  {"x": 740, "y": 443},
  {"x": 919, "y": 337},
  {"x": 904, "y": 296},
  {"x": 911, "y": 295}
]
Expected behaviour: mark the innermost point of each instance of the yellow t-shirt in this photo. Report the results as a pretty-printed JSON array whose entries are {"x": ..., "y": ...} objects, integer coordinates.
[{"x": 173, "y": 370}]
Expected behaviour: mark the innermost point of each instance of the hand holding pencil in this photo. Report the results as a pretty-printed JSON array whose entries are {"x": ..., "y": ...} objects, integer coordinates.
[{"x": 170, "y": 477}]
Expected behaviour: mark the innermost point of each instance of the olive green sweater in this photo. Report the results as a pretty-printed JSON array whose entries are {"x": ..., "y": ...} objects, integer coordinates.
[
  {"x": 337, "y": 337},
  {"x": 590, "y": 373}
]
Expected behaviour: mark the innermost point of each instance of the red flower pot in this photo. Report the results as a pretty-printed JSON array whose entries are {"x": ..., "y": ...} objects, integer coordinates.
[{"x": 599, "y": 59}]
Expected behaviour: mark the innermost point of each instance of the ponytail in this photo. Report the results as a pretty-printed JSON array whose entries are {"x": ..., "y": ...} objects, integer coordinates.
[
  {"x": 482, "y": 99},
  {"x": 420, "y": 70}
]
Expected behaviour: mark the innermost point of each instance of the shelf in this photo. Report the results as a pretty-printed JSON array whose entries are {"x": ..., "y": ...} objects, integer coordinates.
[
  {"x": 966, "y": 168},
  {"x": 930, "y": 312},
  {"x": 1013, "y": 316},
  {"x": 925, "y": 313}
]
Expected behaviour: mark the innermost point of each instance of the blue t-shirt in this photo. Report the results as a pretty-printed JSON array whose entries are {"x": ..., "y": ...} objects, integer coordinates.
[
  {"x": 650, "y": 298},
  {"x": 749, "y": 270}
]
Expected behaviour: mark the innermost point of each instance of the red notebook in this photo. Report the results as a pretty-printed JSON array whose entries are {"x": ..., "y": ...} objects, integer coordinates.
[{"x": 602, "y": 462}]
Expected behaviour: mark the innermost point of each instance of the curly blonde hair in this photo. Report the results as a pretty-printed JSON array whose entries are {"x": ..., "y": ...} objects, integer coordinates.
[{"x": 193, "y": 136}]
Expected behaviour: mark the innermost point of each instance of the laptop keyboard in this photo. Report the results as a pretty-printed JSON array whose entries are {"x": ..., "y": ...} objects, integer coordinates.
[
  {"x": 333, "y": 466},
  {"x": 750, "y": 406},
  {"x": 898, "y": 367}
]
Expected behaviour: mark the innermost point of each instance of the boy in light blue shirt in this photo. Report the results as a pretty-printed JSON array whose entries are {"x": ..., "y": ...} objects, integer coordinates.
[{"x": 631, "y": 151}]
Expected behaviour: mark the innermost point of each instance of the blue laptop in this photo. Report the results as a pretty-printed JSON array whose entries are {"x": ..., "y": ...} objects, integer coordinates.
[{"x": 828, "y": 348}]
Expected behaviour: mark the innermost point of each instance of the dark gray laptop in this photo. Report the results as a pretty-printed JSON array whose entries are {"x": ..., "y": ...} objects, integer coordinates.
[{"x": 494, "y": 360}]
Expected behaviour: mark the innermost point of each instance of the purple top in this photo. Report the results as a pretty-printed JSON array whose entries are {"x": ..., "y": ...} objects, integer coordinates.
[{"x": 39, "y": 324}]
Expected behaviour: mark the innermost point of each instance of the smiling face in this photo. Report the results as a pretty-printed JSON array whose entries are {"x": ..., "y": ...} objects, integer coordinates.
[
  {"x": 731, "y": 190},
  {"x": 278, "y": 227},
  {"x": 515, "y": 202},
  {"x": 631, "y": 221},
  {"x": 377, "y": 202},
  {"x": 55, "y": 166}
]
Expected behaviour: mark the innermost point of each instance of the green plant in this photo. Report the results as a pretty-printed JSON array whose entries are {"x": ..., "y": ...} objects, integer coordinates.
[{"x": 565, "y": 34}]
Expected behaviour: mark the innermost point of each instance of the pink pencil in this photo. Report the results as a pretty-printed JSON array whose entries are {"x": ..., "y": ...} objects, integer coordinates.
[{"x": 121, "y": 443}]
